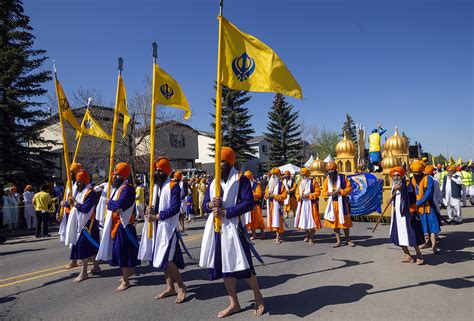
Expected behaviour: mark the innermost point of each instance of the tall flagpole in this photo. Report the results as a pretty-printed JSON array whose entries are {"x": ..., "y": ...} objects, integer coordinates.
[
  {"x": 114, "y": 129},
  {"x": 78, "y": 145},
  {"x": 67, "y": 164},
  {"x": 152, "y": 140},
  {"x": 217, "y": 166}
]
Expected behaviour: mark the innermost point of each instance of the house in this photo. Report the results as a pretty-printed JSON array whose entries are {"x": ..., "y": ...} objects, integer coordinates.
[{"x": 205, "y": 161}]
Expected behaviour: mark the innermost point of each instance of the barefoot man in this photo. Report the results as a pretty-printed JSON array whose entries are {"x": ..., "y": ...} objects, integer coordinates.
[
  {"x": 82, "y": 231},
  {"x": 275, "y": 194},
  {"x": 119, "y": 244},
  {"x": 405, "y": 229},
  {"x": 226, "y": 252},
  {"x": 336, "y": 188},
  {"x": 307, "y": 215},
  {"x": 163, "y": 249}
]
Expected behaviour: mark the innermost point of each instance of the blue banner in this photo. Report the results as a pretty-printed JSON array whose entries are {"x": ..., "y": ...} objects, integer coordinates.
[{"x": 366, "y": 195}]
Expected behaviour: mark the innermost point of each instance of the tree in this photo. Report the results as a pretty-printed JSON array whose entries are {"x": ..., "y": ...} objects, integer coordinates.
[
  {"x": 236, "y": 127},
  {"x": 20, "y": 84},
  {"x": 325, "y": 143},
  {"x": 284, "y": 135},
  {"x": 440, "y": 159},
  {"x": 349, "y": 127}
]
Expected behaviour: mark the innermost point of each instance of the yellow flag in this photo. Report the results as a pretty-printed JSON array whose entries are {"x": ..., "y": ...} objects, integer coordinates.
[
  {"x": 167, "y": 91},
  {"x": 451, "y": 160},
  {"x": 249, "y": 64},
  {"x": 122, "y": 106},
  {"x": 65, "y": 108},
  {"x": 459, "y": 161},
  {"x": 91, "y": 127}
]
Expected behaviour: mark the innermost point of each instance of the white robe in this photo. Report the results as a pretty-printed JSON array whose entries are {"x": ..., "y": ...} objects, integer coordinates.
[
  {"x": 29, "y": 207},
  {"x": 401, "y": 221},
  {"x": 329, "y": 213},
  {"x": 275, "y": 214},
  {"x": 232, "y": 252},
  {"x": 77, "y": 220},
  {"x": 102, "y": 204},
  {"x": 304, "y": 212},
  {"x": 63, "y": 225}
]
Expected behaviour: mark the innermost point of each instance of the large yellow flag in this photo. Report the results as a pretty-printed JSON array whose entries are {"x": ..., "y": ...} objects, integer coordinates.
[
  {"x": 122, "y": 106},
  {"x": 65, "y": 108},
  {"x": 249, "y": 64},
  {"x": 91, "y": 127},
  {"x": 167, "y": 91}
]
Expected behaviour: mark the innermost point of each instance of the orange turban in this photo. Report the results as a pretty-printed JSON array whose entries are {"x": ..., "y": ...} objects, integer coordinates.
[
  {"x": 439, "y": 166},
  {"x": 76, "y": 167},
  {"x": 304, "y": 171},
  {"x": 331, "y": 165},
  {"x": 28, "y": 188},
  {"x": 400, "y": 170},
  {"x": 429, "y": 170},
  {"x": 451, "y": 168},
  {"x": 276, "y": 171},
  {"x": 122, "y": 169},
  {"x": 178, "y": 175},
  {"x": 83, "y": 177},
  {"x": 459, "y": 168},
  {"x": 287, "y": 172},
  {"x": 228, "y": 155},
  {"x": 417, "y": 166},
  {"x": 248, "y": 174},
  {"x": 163, "y": 164}
]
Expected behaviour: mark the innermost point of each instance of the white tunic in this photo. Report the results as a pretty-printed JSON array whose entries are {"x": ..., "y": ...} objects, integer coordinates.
[
  {"x": 401, "y": 221},
  {"x": 29, "y": 207},
  {"x": 304, "y": 213},
  {"x": 77, "y": 220}
]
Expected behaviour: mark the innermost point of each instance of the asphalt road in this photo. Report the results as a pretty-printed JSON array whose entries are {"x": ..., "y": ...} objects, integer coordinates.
[{"x": 298, "y": 281}]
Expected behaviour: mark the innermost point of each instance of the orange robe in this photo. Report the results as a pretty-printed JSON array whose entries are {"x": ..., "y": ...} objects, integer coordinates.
[
  {"x": 292, "y": 204},
  {"x": 313, "y": 197},
  {"x": 344, "y": 193},
  {"x": 257, "y": 218},
  {"x": 279, "y": 198}
]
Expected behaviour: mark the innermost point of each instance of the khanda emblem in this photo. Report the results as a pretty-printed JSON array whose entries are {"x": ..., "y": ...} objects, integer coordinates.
[
  {"x": 88, "y": 124},
  {"x": 63, "y": 104},
  {"x": 167, "y": 91},
  {"x": 243, "y": 66}
]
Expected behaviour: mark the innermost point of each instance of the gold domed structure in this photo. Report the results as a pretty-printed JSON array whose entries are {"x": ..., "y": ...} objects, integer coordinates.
[
  {"x": 318, "y": 169},
  {"x": 396, "y": 144},
  {"x": 390, "y": 162},
  {"x": 345, "y": 148}
]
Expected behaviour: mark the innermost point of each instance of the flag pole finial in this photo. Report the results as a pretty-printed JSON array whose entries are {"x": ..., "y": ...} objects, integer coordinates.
[
  {"x": 120, "y": 65},
  {"x": 221, "y": 7},
  {"x": 155, "y": 51}
]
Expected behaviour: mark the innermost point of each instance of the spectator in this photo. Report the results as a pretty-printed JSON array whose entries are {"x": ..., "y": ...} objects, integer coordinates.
[
  {"x": 29, "y": 208},
  {"x": 41, "y": 201}
]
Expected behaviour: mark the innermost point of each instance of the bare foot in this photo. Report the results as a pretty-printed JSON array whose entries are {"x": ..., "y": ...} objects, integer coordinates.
[
  {"x": 231, "y": 309},
  {"x": 181, "y": 295},
  {"x": 166, "y": 293},
  {"x": 420, "y": 261},
  {"x": 80, "y": 277},
  {"x": 338, "y": 244},
  {"x": 71, "y": 265},
  {"x": 424, "y": 246},
  {"x": 306, "y": 239},
  {"x": 311, "y": 242},
  {"x": 407, "y": 259},
  {"x": 123, "y": 286},
  {"x": 278, "y": 241},
  {"x": 351, "y": 244},
  {"x": 259, "y": 306}
]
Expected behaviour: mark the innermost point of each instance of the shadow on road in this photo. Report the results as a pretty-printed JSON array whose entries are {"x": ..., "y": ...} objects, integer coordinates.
[{"x": 20, "y": 251}]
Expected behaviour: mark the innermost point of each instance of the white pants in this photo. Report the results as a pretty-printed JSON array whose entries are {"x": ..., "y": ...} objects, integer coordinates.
[
  {"x": 29, "y": 216},
  {"x": 140, "y": 211},
  {"x": 464, "y": 194},
  {"x": 454, "y": 210},
  {"x": 470, "y": 191}
]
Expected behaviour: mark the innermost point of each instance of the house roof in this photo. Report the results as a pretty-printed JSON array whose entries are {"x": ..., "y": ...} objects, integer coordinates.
[
  {"x": 168, "y": 123},
  {"x": 78, "y": 113},
  {"x": 257, "y": 139}
]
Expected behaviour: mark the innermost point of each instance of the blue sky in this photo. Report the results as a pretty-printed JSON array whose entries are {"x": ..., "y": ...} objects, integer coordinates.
[{"x": 398, "y": 63}]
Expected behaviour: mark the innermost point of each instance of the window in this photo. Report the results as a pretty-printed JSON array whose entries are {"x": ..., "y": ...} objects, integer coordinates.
[
  {"x": 177, "y": 140},
  {"x": 264, "y": 148}
]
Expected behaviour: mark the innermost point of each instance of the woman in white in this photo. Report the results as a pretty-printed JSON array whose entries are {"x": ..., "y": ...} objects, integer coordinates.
[{"x": 30, "y": 217}]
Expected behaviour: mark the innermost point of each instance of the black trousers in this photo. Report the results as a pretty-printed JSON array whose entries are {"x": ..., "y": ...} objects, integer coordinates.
[{"x": 42, "y": 223}]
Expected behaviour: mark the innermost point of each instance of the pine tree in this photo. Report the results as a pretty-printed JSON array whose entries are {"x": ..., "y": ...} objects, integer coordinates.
[
  {"x": 349, "y": 127},
  {"x": 284, "y": 135},
  {"x": 236, "y": 127},
  {"x": 20, "y": 84}
]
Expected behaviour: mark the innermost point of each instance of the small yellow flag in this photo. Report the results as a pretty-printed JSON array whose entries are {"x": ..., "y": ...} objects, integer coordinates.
[
  {"x": 65, "y": 108},
  {"x": 249, "y": 64},
  {"x": 459, "y": 161},
  {"x": 451, "y": 160},
  {"x": 122, "y": 106},
  {"x": 91, "y": 127},
  {"x": 167, "y": 91}
]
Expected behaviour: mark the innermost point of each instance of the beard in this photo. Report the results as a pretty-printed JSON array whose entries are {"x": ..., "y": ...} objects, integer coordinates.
[
  {"x": 272, "y": 183},
  {"x": 396, "y": 182},
  {"x": 160, "y": 179},
  {"x": 333, "y": 177},
  {"x": 117, "y": 182}
]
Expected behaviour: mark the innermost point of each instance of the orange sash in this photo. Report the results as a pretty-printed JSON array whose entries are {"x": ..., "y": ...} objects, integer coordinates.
[{"x": 425, "y": 207}]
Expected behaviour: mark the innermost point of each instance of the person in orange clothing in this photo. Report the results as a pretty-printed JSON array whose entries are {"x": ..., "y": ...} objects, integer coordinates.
[
  {"x": 307, "y": 215},
  {"x": 290, "y": 201},
  {"x": 256, "y": 219},
  {"x": 275, "y": 194},
  {"x": 337, "y": 187}
]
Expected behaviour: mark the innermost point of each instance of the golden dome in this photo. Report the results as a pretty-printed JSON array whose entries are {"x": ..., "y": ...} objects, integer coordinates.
[
  {"x": 317, "y": 167},
  {"x": 396, "y": 144},
  {"x": 390, "y": 162},
  {"x": 345, "y": 148}
]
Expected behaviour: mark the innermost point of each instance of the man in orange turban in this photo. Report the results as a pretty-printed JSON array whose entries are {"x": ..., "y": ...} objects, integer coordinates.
[
  {"x": 256, "y": 217},
  {"x": 119, "y": 232},
  {"x": 336, "y": 189},
  {"x": 405, "y": 228},
  {"x": 275, "y": 194},
  {"x": 290, "y": 201},
  {"x": 219, "y": 250},
  {"x": 163, "y": 249},
  {"x": 307, "y": 214},
  {"x": 85, "y": 245}
]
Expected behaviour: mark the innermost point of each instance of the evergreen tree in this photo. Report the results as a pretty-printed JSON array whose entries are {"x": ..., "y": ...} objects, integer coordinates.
[
  {"x": 284, "y": 135},
  {"x": 349, "y": 127},
  {"x": 23, "y": 154},
  {"x": 236, "y": 127}
]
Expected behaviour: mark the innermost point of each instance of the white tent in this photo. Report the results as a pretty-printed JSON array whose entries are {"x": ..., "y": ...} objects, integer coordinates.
[
  {"x": 290, "y": 167},
  {"x": 309, "y": 162},
  {"x": 329, "y": 159}
]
